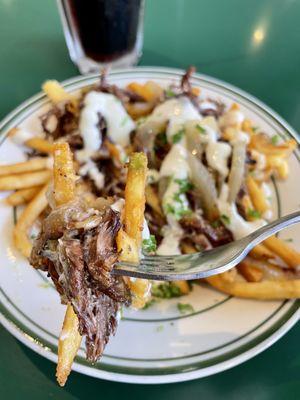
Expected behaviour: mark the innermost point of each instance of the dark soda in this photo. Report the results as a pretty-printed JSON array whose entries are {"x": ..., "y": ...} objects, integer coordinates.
[{"x": 106, "y": 29}]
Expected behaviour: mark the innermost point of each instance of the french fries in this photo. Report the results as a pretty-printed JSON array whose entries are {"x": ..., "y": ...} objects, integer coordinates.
[
  {"x": 36, "y": 143},
  {"x": 26, "y": 220},
  {"x": 22, "y": 196},
  {"x": 262, "y": 143},
  {"x": 39, "y": 144},
  {"x": 250, "y": 271},
  {"x": 129, "y": 240},
  {"x": 55, "y": 92},
  {"x": 26, "y": 180},
  {"x": 64, "y": 192},
  {"x": 264, "y": 290},
  {"x": 284, "y": 251},
  {"x": 261, "y": 252},
  {"x": 34, "y": 164},
  {"x": 68, "y": 345},
  {"x": 257, "y": 196},
  {"x": 64, "y": 175}
]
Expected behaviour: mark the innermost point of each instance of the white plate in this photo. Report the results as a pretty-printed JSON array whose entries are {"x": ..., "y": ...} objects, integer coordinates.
[{"x": 157, "y": 345}]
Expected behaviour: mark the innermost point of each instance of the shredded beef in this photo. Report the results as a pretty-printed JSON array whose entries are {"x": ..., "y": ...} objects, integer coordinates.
[
  {"x": 195, "y": 225},
  {"x": 77, "y": 248}
]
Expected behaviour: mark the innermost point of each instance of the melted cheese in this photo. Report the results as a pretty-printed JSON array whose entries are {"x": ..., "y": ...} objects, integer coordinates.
[
  {"x": 231, "y": 118},
  {"x": 170, "y": 243},
  {"x": 217, "y": 154},
  {"x": 119, "y": 124},
  {"x": 175, "y": 163},
  {"x": 236, "y": 224},
  {"x": 91, "y": 169}
]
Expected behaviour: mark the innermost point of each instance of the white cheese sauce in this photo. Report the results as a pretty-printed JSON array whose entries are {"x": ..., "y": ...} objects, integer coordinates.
[
  {"x": 231, "y": 118},
  {"x": 119, "y": 124},
  {"x": 91, "y": 169},
  {"x": 234, "y": 221},
  {"x": 170, "y": 244},
  {"x": 175, "y": 163}
]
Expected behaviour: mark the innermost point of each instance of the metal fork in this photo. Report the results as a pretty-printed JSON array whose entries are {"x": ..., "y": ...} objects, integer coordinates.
[{"x": 206, "y": 263}]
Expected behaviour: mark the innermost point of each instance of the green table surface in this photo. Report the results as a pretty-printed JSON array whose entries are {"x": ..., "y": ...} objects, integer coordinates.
[{"x": 218, "y": 37}]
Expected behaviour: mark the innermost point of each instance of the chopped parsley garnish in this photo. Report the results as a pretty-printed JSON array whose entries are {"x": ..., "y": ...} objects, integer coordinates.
[
  {"x": 255, "y": 128},
  {"x": 275, "y": 139},
  {"x": 165, "y": 291},
  {"x": 178, "y": 136},
  {"x": 149, "y": 304},
  {"x": 184, "y": 185},
  {"x": 289, "y": 240},
  {"x": 185, "y": 308},
  {"x": 149, "y": 245},
  {"x": 216, "y": 223},
  {"x": 169, "y": 93},
  {"x": 225, "y": 219},
  {"x": 178, "y": 212},
  {"x": 254, "y": 214},
  {"x": 160, "y": 328},
  {"x": 200, "y": 129}
]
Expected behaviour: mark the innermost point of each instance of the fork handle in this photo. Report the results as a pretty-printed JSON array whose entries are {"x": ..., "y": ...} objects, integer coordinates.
[{"x": 270, "y": 229}]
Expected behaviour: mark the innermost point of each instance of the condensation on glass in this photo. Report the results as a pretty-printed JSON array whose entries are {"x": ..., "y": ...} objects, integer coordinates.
[{"x": 103, "y": 32}]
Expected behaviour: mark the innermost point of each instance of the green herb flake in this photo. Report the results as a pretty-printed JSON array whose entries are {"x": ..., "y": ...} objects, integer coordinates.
[
  {"x": 185, "y": 308},
  {"x": 275, "y": 140},
  {"x": 149, "y": 245},
  {"x": 178, "y": 136},
  {"x": 289, "y": 240},
  {"x": 184, "y": 185},
  {"x": 225, "y": 219},
  {"x": 201, "y": 129},
  {"x": 255, "y": 128},
  {"x": 254, "y": 214},
  {"x": 165, "y": 291},
  {"x": 160, "y": 328},
  {"x": 149, "y": 304},
  {"x": 169, "y": 93},
  {"x": 216, "y": 223}
]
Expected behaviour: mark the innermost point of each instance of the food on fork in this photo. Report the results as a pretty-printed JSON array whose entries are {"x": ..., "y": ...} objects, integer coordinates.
[{"x": 87, "y": 189}]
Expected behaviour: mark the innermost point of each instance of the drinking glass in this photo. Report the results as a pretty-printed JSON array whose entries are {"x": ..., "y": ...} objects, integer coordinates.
[{"x": 102, "y": 33}]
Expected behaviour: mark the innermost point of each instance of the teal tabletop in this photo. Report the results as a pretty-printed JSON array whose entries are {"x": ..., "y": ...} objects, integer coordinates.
[{"x": 251, "y": 44}]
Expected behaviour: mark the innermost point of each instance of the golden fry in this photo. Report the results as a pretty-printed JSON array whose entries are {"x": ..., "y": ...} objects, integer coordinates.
[
  {"x": 55, "y": 92},
  {"x": 39, "y": 144},
  {"x": 22, "y": 196},
  {"x": 284, "y": 251},
  {"x": 68, "y": 345},
  {"x": 34, "y": 164},
  {"x": 129, "y": 241},
  {"x": 263, "y": 144},
  {"x": 21, "y": 181},
  {"x": 257, "y": 195},
  {"x": 26, "y": 220},
  {"x": 64, "y": 192},
  {"x": 264, "y": 290},
  {"x": 261, "y": 252},
  {"x": 64, "y": 175},
  {"x": 183, "y": 286},
  {"x": 135, "y": 196},
  {"x": 250, "y": 271}
]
